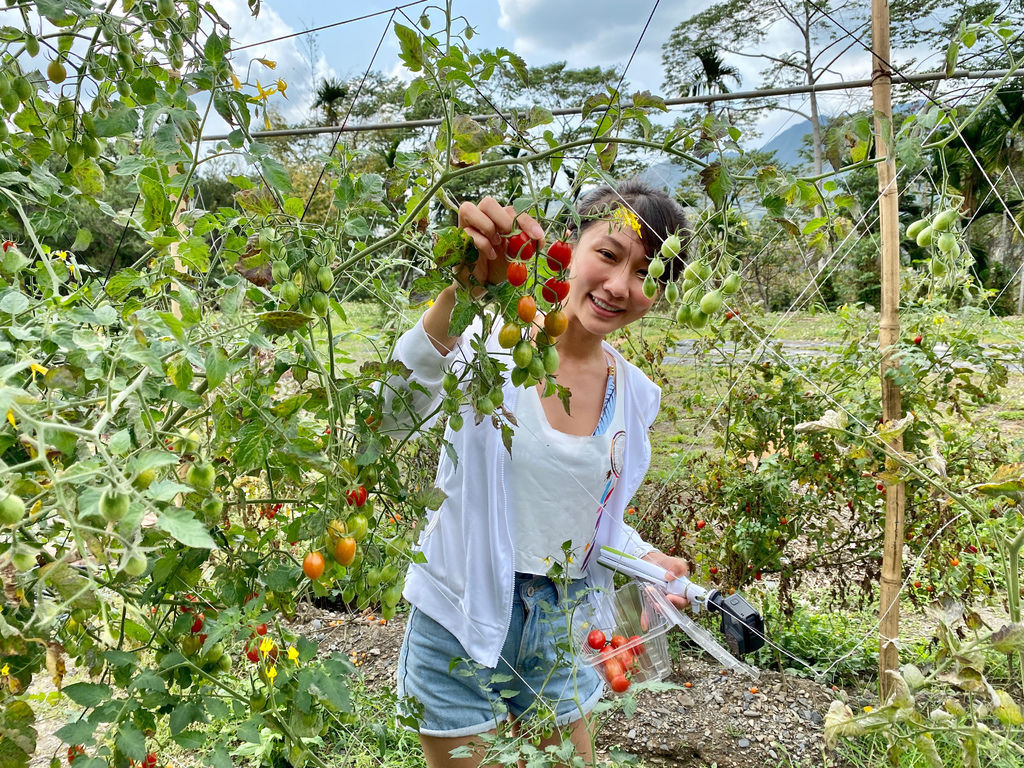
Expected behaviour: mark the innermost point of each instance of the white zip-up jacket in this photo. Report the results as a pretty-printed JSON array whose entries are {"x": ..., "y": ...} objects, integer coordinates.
[{"x": 467, "y": 580}]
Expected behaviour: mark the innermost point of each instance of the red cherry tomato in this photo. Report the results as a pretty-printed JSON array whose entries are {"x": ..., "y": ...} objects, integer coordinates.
[
  {"x": 261, "y": 629},
  {"x": 613, "y": 668},
  {"x": 360, "y": 495},
  {"x": 618, "y": 641},
  {"x": 639, "y": 647},
  {"x": 559, "y": 256},
  {"x": 253, "y": 653},
  {"x": 554, "y": 290},
  {"x": 596, "y": 639},
  {"x": 197, "y": 625},
  {"x": 520, "y": 246},
  {"x": 619, "y": 684},
  {"x": 517, "y": 273}
]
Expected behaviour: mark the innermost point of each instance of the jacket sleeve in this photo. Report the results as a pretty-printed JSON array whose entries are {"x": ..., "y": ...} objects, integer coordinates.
[
  {"x": 412, "y": 403},
  {"x": 630, "y": 542}
]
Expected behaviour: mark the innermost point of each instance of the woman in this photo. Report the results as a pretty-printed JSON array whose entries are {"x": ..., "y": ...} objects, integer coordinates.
[{"x": 482, "y": 596}]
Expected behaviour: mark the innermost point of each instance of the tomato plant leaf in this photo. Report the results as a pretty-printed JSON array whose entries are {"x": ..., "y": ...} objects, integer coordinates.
[
  {"x": 411, "y": 47},
  {"x": 131, "y": 741},
  {"x": 77, "y": 732},
  {"x": 216, "y": 365},
  {"x": 182, "y": 525},
  {"x": 88, "y": 695},
  {"x": 717, "y": 182}
]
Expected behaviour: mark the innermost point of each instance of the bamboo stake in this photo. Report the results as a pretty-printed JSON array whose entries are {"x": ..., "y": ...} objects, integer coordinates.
[{"x": 888, "y": 333}]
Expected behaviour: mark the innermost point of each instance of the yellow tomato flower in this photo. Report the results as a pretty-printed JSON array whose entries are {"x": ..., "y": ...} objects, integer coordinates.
[
  {"x": 235, "y": 82},
  {"x": 626, "y": 218},
  {"x": 10, "y": 418},
  {"x": 6, "y": 670},
  {"x": 293, "y": 653},
  {"x": 271, "y": 674},
  {"x": 281, "y": 87},
  {"x": 266, "y": 645}
]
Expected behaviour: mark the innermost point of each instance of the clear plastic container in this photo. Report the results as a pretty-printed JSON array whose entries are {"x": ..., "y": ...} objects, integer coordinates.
[{"x": 635, "y": 612}]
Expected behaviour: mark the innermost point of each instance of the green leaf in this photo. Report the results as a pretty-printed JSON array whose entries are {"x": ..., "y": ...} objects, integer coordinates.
[
  {"x": 411, "y": 47},
  {"x": 428, "y": 498},
  {"x": 88, "y": 694},
  {"x": 182, "y": 526},
  {"x": 183, "y": 716},
  {"x": 154, "y": 199},
  {"x": 121, "y": 119},
  {"x": 276, "y": 174},
  {"x": 294, "y": 206},
  {"x": 216, "y": 367},
  {"x": 717, "y": 182},
  {"x": 131, "y": 741},
  {"x": 214, "y": 49},
  {"x": 78, "y": 732},
  {"x": 82, "y": 240}
]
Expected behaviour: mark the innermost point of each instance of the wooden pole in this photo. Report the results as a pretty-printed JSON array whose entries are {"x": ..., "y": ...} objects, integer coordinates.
[{"x": 888, "y": 333}]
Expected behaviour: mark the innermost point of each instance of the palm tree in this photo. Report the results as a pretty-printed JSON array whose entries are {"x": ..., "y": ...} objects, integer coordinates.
[
  {"x": 329, "y": 95},
  {"x": 711, "y": 73}
]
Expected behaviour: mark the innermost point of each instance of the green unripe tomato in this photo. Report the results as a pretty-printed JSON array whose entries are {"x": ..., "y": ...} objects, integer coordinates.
[
  {"x": 280, "y": 271},
  {"x": 455, "y": 421},
  {"x": 915, "y": 227},
  {"x": 23, "y": 559},
  {"x": 497, "y": 397},
  {"x": 144, "y": 479},
  {"x": 23, "y": 88},
  {"x": 56, "y": 72},
  {"x": 31, "y": 45},
  {"x": 937, "y": 266},
  {"x": 536, "y": 367},
  {"x": 711, "y": 302},
  {"x": 320, "y": 303},
  {"x": 165, "y": 8},
  {"x": 5, "y": 85},
  {"x": 650, "y": 287},
  {"x": 325, "y": 278},
  {"x": 357, "y": 526},
  {"x": 698, "y": 319},
  {"x": 306, "y": 304},
  {"x": 58, "y": 142},
  {"x": 12, "y": 509},
  {"x": 450, "y": 382},
  {"x": 683, "y": 314},
  {"x": 10, "y": 102},
  {"x": 224, "y": 663},
  {"x": 945, "y": 220},
  {"x": 522, "y": 355},
  {"x": 135, "y": 565},
  {"x": 672, "y": 293},
  {"x": 289, "y": 293},
  {"x": 212, "y": 509},
  {"x": 91, "y": 145},
  {"x": 670, "y": 247},
  {"x": 113, "y": 505},
  {"x": 731, "y": 284},
  {"x": 691, "y": 274},
  {"x": 925, "y": 236},
  {"x": 485, "y": 406},
  {"x": 201, "y": 476},
  {"x": 656, "y": 268},
  {"x": 947, "y": 242},
  {"x": 75, "y": 155},
  {"x": 550, "y": 357}
]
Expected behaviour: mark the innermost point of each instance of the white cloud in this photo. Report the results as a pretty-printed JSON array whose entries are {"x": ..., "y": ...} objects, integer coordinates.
[{"x": 292, "y": 56}]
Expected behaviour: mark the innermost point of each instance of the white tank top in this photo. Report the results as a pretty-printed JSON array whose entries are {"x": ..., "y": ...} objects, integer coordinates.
[{"x": 559, "y": 485}]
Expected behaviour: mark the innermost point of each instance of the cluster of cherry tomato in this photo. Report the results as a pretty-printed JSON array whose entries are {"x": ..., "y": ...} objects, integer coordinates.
[
  {"x": 535, "y": 357},
  {"x": 620, "y": 657}
]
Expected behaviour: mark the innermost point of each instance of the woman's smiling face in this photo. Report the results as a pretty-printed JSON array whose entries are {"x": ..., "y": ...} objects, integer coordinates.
[{"x": 606, "y": 278}]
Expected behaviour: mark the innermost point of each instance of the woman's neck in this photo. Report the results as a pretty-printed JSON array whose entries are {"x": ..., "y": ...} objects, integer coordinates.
[{"x": 578, "y": 345}]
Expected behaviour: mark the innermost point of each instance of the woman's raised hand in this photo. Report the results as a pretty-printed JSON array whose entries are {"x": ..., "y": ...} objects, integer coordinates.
[{"x": 488, "y": 223}]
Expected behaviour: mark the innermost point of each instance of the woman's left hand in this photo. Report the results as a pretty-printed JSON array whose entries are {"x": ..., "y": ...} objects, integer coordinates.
[{"x": 675, "y": 567}]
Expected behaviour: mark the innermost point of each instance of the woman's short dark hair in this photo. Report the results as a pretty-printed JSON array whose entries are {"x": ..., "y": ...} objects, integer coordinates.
[{"x": 658, "y": 214}]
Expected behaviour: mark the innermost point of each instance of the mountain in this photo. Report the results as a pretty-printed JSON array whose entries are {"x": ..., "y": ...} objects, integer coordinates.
[{"x": 786, "y": 145}]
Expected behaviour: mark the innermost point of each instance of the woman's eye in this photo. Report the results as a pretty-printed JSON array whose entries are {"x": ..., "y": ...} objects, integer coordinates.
[{"x": 607, "y": 254}]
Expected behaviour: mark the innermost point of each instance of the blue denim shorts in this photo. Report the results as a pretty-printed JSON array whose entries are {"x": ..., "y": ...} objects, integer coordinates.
[{"x": 537, "y": 675}]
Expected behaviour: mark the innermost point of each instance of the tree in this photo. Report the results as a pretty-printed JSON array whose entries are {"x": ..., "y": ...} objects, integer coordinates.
[{"x": 711, "y": 73}]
